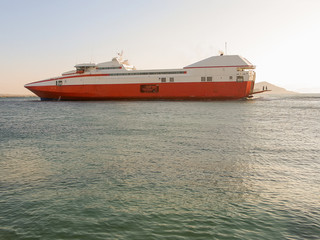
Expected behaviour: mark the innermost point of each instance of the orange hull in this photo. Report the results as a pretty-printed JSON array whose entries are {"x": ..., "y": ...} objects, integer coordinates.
[{"x": 152, "y": 91}]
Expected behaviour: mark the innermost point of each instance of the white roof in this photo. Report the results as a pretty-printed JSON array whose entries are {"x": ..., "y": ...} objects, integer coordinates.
[
  {"x": 109, "y": 64},
  {"x": 222, "y": 61},
  {"x": 85, "y": 65}
]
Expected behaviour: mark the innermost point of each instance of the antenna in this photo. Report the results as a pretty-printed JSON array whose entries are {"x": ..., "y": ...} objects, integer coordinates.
[{"x": 120, "y": 55}]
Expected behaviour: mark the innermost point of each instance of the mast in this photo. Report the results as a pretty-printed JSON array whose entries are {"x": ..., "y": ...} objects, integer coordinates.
[{"x": 225, "y": 48}]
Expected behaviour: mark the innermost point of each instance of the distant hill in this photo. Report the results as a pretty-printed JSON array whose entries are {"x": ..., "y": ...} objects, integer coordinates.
[{"x": 274, "y": 89}]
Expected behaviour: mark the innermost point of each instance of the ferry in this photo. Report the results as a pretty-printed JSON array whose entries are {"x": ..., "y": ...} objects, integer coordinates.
[{"x": 219, "y": 77}]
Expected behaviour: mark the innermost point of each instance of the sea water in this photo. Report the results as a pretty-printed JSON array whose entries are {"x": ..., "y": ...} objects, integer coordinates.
[{"x": 160, "y": 169}]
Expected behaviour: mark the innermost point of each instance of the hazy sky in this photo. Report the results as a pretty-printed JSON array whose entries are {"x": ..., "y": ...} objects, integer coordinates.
[{"x": 41, "y": 38}]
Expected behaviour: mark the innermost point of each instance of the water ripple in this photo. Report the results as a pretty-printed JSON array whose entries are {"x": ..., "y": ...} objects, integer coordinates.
[{"x": 160, "y": 170}]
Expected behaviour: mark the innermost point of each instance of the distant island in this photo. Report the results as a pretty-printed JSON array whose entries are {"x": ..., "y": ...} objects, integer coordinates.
[
  {"x": 2, "y": 95},
  {"x": 274, "y": 89}
]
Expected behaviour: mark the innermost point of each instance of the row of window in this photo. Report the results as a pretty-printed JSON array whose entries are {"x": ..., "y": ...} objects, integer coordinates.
[
  {"x": 165, "y": 79},
  {"x": 209, "y": 79},
  {"x": 100, "y": 68},
  {"x": 146, "y": 73}
]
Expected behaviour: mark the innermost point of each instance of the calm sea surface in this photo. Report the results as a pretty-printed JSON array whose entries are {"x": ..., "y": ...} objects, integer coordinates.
[{"x": 160, "y": 170}]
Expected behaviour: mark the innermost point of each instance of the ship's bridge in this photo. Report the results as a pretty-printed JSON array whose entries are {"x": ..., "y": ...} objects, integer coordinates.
[
  {"x": 83, "y": 67},
  {"x": 116, "y": 63},
  {"x": 109, "y": 65}
]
